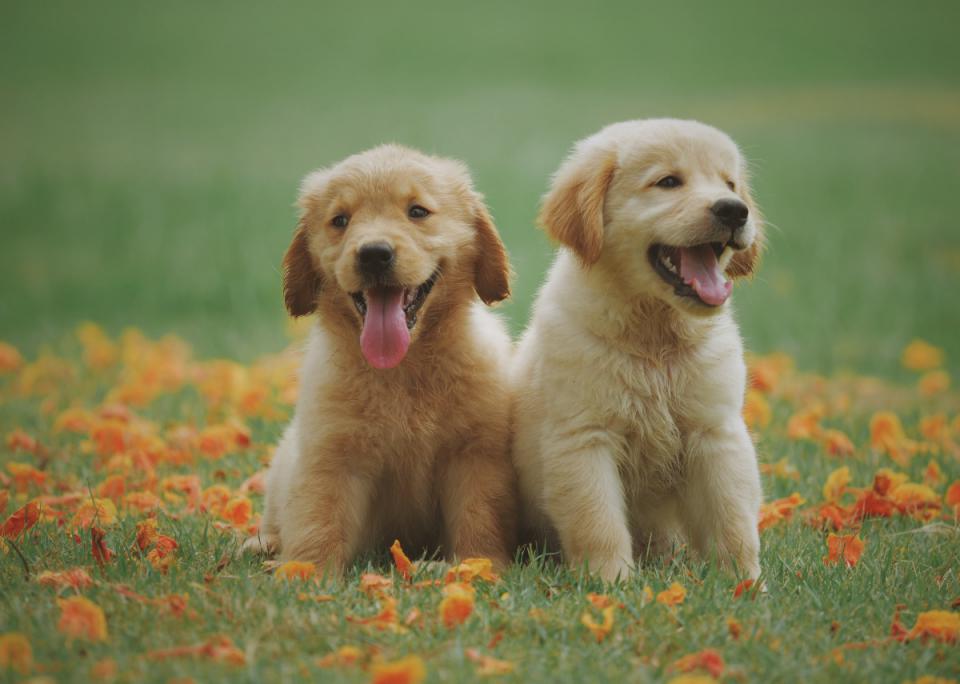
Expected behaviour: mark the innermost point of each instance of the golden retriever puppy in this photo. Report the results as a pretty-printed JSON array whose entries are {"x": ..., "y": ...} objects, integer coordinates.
[
  {"x": 629, "y": 380},
  {"x": 401, "y": 425}
]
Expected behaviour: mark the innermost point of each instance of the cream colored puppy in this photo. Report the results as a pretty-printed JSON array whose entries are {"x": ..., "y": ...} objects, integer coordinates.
[
  {"x": 401, "y": 426},
  {"x": 629, "y": 381}
]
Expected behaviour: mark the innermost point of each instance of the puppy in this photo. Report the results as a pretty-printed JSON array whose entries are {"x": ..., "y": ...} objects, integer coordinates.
[
  {"x": 629, "y": 381},
  {"x": 401, "y": 425}
]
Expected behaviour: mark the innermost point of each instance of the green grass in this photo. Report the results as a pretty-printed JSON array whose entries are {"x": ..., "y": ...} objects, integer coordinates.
[
  {"x": 150, "y": 157},
  {"x": 792, "y": 633}
]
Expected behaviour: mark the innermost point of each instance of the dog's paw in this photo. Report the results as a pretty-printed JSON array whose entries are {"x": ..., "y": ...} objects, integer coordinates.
[
  {"x": 610, "y": 569},
  {"x": 262, "y": 544}
]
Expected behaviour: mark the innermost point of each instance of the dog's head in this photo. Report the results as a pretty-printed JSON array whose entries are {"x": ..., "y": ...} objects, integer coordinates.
[
  {"x": 385, "y": 235},
  {"x": 664, "y": 204}
]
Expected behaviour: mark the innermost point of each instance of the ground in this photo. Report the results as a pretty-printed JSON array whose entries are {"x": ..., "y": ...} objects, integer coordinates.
[{"x": 151, "y": 156}]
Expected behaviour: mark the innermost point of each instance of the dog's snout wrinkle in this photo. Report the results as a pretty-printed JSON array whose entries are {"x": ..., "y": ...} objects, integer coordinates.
[
  {"x": 375, "y": 258},
  {"x": 732, "y": 213}
]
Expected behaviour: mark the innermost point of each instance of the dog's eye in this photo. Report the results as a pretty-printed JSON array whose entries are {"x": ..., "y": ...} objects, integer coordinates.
[
  {"x": 732, "y": 186},
  {"x": 340, "y": 221},
  {"x": 418, "y": 212},
  {"x": 669, "y": 182}
]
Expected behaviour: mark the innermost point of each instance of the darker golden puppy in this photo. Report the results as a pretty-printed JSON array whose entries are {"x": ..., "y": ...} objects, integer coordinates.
[{"x": 401, "y": 426}]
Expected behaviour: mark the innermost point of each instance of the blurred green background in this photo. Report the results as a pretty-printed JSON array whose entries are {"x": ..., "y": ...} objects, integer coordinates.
[{"x": 150, "y": 152}]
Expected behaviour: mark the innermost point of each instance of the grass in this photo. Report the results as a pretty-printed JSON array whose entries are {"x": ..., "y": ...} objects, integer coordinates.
[
  {"x": 817, "y": 622},
  {"x": 150, "y": 159}
]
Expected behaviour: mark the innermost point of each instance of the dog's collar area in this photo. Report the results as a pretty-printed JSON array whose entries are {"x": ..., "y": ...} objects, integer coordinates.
[
  {"x": 666, "y": 262},
  {"x": 413, "y": 299}
]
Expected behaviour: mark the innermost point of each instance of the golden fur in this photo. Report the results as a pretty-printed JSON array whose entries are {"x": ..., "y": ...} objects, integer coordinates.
[
  {"x": 628, "y": 396},
  {"x": 417, "y": 452}
]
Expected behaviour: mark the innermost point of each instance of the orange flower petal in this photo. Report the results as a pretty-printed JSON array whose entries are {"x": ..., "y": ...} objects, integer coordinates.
[
  {"x": 342, "y": 657},
  {"x": 805, "y": 424},
  {"x": 18, "y": 440},
  {"x": 409, "y": 670},
  {"x": 734, "y": 628},
  {"x": 291, "y": 570},
  {"x": 933, "y": 383},
  {"x": 600, "y": 630},
  {"x": 673, "y": 595},
  {"x": 10, "y": 359},
  {"x": 81, "y": 618},
  {"x": 920, "y": 355},
  {"x": 100, "y": 511},
  {"x": 21, "y": 520},
  {"x": 952, "y": 497},
  {"x": 600, "y": 601},
  {"x": 238, "y": 511},
  {"x": 742, "y": 587},
  {"x": 836, "y": 484},
  {"x": 707, "y": 659},
  {"x": 214, "y": 499},
  {"x": 146, "y": 533},
  {"x": 472, "y": 568},
  {"x": 911, "y": 497},
  {"x": 781, "y": 509},
  {"x": 756, "y": 410},
  {"x": 404, "y": 566},
  {"x": 371, "y": 583},
  {"x": 15, "y": 652},
  {"x": 487, "y": 666},
  {"x": 386, "y": 619},
  {"x": 25, "y": 476},
  {"x": 98, "y": 546},
  {"x": 848, "y": 546},
  {"x": 940, "y": 625},
  {"x": 457, "y": 604},
  {"x": 77, "y": 578},
  {"x": 836, "y": 443},
  {"x": 219, "y": 648}
]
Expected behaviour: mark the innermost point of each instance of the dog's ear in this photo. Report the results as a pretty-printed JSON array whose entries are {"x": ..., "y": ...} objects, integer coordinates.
[
  {"x": 572, "y": 211},
  {"x": 491, "y": 277},
  {"x": 301, "y": 279},
  {"x": 744, "y": 264}
]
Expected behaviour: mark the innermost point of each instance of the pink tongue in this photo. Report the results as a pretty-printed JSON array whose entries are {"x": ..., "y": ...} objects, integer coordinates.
[
  {"x": 700, "y": 270},
  {"x": 385, "y": 338}
]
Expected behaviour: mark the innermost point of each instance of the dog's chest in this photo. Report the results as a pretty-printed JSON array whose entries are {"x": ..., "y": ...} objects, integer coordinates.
[{"x": 650, "y": 413}]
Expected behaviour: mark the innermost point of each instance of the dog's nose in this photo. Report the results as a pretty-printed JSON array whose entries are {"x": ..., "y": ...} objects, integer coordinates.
[
  {"x": 730, "y": 212},
  {"x": 375, "y": 259}
]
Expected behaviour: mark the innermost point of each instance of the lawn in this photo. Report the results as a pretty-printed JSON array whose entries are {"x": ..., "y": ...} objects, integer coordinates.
[{"x": 151, "y": 154}]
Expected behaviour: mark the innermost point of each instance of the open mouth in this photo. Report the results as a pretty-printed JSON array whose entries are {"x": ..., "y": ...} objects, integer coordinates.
[
  {"x": 693, "y": 272},
  {"x": 413, "y": 298},
  {"x": 389, "y": 314}
]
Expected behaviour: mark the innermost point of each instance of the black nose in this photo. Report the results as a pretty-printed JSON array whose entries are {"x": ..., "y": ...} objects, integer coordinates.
[
  {"x": 375, "y": 259},
  {"x": 730, "y": 212}
]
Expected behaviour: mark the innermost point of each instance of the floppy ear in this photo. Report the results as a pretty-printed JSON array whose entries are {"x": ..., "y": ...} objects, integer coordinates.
[
  {"x": 572, "y": 211},
  {"x": 301, "y": 279},
  {"x": 491, "y": 277},
  {"x": 744, "y": 264}
]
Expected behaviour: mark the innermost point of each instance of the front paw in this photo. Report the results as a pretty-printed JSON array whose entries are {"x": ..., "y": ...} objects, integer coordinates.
[
  {"x": 261, "y": 544},
  {"x": 608, "y": 569}
]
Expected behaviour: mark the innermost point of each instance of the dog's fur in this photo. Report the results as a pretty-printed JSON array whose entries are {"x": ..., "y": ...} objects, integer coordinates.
[
  {"x": 628, "y": 397},
  {"x": 417, "y": 452}
]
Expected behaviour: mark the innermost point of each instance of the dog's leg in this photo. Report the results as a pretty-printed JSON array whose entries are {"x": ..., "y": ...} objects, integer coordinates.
[
  {"x": 325, "y": 518},
  {"x": 267, "y": 539},
  {"x": 720, "y": 499},
  {"x": 583, "y": 495},
  {"x": 479, "y": 503}
]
